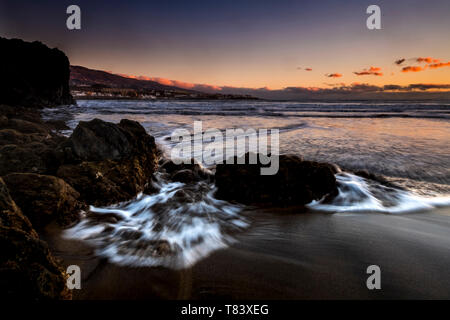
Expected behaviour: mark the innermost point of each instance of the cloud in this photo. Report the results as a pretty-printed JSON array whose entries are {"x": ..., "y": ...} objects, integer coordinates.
[
  {"x": 439, "y": 65},
  {"x": 400, "y": 61},
  {"x": 427, "y": 60},
  {"x": 174, "y": 83},
  {"x": 333, "y": 75},
  {"x": 413, "y": 69},
  {"x": 423, "y": 86},
  {"x": 308, "y": 69},
  {"x": 390, "y": 87},
  {"x": 374, "y": 71},
  {"x": 332, "y": 91},
  {"x": 354, "y": 90}
]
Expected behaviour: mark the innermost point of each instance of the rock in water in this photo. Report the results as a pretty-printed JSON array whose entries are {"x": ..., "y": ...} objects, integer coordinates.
[
  {"x": 33, "y": 75},
  {"x": 98, "y": 140},
  {"x": 297, "y": 182},
  {"x": 27, "y": 269},
  {"x": 108, "y": 163}
]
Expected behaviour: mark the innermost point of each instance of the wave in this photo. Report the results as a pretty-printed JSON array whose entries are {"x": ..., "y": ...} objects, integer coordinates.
[
  {"x": 174, "y": 228},
  {"x": 357, "y": 194}
]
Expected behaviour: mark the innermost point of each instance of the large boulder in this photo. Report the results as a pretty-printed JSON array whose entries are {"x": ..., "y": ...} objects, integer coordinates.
[
  {"x": 33, "y": 75},
  {"x": 27, "y": 269},
  {"x": 98, "y": 140},
  {"x": 297, "y": 182},
  {"x": 43, "y": 198},
  {"x": 107, "y": 162}
]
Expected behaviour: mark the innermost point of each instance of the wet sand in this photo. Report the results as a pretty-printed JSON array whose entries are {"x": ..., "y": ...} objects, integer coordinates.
[{"x": 289, "y": 255}]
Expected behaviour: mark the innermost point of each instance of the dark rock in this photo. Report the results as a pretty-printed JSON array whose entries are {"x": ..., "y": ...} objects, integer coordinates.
[
  {"x": 185, "y": 172},
  {"x": 27, "y": 158},
  {"x": 25, "y": 126},
  {"x": 3, "y": 121},
  {"x": 11, "y": 216},
  {"x": 11, "y": 136},
  {"x": 17, "y": 112},
  {"x": 58, "y": 125},
  {"x": 37, "y": 156},
  {"x": 43, "y": 198},
  {"x": 27, "y": 269},
  {"x": 120, "y": 165},
  {"x": 99, "y": 140},
  {"x": 297, "y": 182},
  {"x": 33, "y": 75},
  {"x": 185, "y": 176}
]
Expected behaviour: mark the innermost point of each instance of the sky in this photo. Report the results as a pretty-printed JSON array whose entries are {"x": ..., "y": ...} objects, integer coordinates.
[{"x": 264, "y": 45}]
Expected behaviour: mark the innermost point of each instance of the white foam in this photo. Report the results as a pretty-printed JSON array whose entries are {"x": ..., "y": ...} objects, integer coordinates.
[
  {"x": 356, "y": 194},
  {"x": 192, "y": 229}
]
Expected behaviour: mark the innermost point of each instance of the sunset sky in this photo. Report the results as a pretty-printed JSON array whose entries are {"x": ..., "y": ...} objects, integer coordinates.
[{"x": 249, "y": 44}]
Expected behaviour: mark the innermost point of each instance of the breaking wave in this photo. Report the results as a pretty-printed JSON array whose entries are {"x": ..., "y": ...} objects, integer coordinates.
[
  {"x": 357, "y": 194},
  {"x": 174, "y": 228}
]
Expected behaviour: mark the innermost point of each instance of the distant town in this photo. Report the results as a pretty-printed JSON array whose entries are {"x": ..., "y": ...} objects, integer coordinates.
[
  {"x": 87, "y": 83},
  {"x": 103, "y": 92}
]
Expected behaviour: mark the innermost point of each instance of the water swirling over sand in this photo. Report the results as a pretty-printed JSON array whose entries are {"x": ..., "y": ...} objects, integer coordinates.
[
  {"x": 357, "y": 194},
  {"x": 174, "y": 228}
]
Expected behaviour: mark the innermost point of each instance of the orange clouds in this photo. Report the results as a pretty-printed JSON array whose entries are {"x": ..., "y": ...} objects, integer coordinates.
[
  {"x": 372, "y": 71},
  {"x": 439, "y": 65},
  {"x": 427, "y": 60},
  {"x": 308, "y": 69},
  {"x": 333, "y": 75},
  {"x": 412, "y": 69},
  {"x": 174, "y": 83},
  {"x": 431, "y": 63}
]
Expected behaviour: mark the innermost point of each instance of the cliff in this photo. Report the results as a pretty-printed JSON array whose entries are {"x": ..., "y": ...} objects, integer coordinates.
[{"x": 33, "y": 75}]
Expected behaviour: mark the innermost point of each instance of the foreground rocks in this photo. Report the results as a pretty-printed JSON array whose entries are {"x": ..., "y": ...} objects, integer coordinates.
[
  {"x": 44, "y": 198},
  {"x": 48, "y": 177},
  {"x": 27, "y": 144},
  {"x": 297, "y": 182},
  {"x": 27, "y": 269}
]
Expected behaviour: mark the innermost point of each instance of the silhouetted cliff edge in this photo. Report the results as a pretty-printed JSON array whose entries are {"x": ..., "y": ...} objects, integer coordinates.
[{"x": 33, "y": 75}]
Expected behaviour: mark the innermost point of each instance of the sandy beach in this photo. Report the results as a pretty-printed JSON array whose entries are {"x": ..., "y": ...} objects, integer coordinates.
[{"x": 289, "y": 255}]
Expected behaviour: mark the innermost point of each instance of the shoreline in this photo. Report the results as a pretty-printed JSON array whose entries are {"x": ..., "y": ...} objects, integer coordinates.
[{"x": 287, "y": 255}]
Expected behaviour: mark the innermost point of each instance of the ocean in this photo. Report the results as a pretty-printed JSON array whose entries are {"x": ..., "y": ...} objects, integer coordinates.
[{"x": 402, "y": 224}]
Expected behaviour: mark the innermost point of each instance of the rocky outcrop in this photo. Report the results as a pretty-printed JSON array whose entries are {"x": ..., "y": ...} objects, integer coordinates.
[
  {"x": 27, "y": 145},
  {"x": 297, "y": 182},
  {"x": 27, "y": 269},
  {"x": 44, "y": 198},
  {"x": 33, "y": 75},
  {"x": 108, "y": 163}
]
